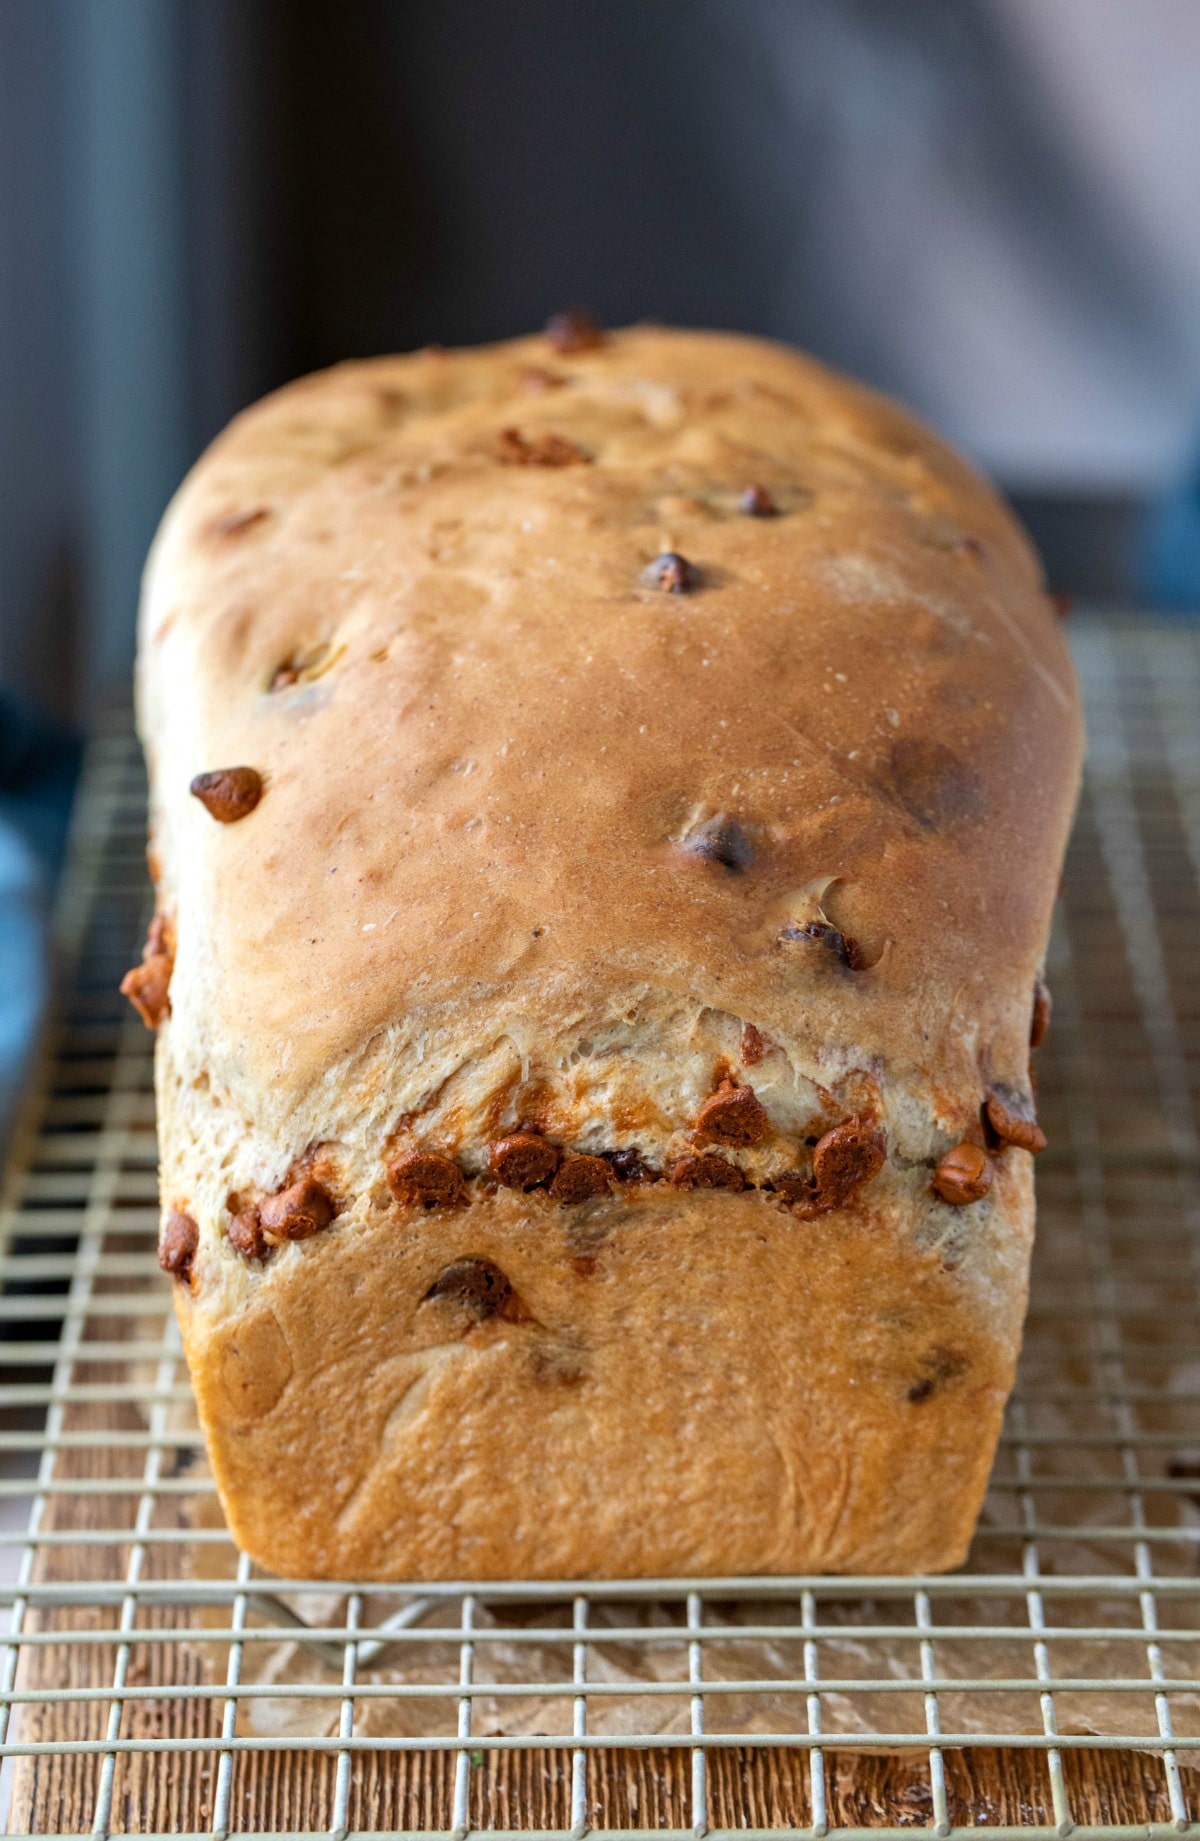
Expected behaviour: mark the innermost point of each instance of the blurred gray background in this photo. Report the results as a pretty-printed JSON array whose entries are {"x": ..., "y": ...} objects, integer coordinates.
[{"x": 986, "y": 206}]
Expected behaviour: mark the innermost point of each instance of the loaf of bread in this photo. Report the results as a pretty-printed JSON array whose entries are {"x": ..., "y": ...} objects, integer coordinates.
[{"x": 608, "y": 795}]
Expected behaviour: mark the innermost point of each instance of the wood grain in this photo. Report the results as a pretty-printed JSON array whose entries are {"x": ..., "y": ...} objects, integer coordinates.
[{"x": 279, "y": 1791}]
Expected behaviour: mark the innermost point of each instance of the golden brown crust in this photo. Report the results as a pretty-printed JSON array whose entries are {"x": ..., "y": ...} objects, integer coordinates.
[
  {"x": 878, "y": 706},
  {"x": 632, "y": 709}
]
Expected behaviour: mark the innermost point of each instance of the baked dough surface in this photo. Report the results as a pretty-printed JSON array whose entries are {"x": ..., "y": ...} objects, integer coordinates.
[{"x": 542, "y": 844}]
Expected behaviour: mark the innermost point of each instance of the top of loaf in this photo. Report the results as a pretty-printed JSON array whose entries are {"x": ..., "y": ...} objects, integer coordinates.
[{"x": 535, "y": 827}]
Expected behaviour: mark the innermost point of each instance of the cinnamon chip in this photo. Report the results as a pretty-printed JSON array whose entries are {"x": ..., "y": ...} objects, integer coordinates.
[
  {"x": 1010, "y": 1120},
  {"x": 963, "y": 1176},
  {"x": 535, "y": 380},
  {"x": 720, "y": 839},
  {"x": 671, "y": 573},
  {"x": 479, "y": 1287},
  {"x": 753, "y": 1045},
  {"x": 148, "y": 984},
  {"x": 939, "y": 1368},
  {"x": 840, "y": 945},
  {"x": 426, "y": 1179},
  {"x": 160, "y": 937},
  {"x": 523, "y": 1160},
  {"x": 707, "y": 1171},
  {"x": 1039, "y": 1026},
  {"x": 177, "y": 1244},
  {"x": 237, "y": 523},
  {"x": 628, "y": 1165},
  {"x": 935, "y": 788},
  {"x": 580, "y": 1178},
  {"x": 297, "y": 1212},
  {"x": 733, "y": 1116},
  {"x": 549, "y": 450},
  {"x": 756, "y": 502},
  {"x": 245, "y": 1235},
  {"x": 847, "y": 1156},
  {"x": 228, "y": 793},
  {"x": 573, "y": 331},
  {"x": 794, "y": 1186}
]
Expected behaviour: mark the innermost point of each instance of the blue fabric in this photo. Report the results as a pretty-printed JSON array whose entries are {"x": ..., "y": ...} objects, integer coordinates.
[
  {"x": 38, "y": 766},
  {"x": 23, "y": 962},
  {"x": 1170, "y": 560}
]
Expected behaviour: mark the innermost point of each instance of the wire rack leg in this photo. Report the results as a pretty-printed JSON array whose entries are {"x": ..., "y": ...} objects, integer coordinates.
[
  {"x": 695, "y": 1618},
  {"x": 341, "y": 1792},
  {"x": 233, "y": 1676},
  {"x": 460, "y": 1818},
  {"x": 579, "y": 1803},
  {"x": 933, "y": 1720},
  {"x": 816, "y": 1757}
]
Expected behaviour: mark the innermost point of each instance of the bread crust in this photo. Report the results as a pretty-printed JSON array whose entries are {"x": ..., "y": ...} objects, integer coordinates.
[{"x": 555, "y": 836}]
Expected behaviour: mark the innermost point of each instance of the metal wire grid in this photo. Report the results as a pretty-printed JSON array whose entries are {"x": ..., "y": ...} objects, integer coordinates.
[{"x": 136, "y": 1634}]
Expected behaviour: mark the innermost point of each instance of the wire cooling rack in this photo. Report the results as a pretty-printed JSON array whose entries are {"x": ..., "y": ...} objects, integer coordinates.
[{"x": 153, "y": 1681}]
